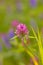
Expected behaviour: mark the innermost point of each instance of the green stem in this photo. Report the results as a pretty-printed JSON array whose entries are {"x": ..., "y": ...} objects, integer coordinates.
[
  {"x": 40, "y": 47},
  {"x": 32, "y": 37},
  {"x": 38, "y": 39},
  {"x": 32, "y": 56}
]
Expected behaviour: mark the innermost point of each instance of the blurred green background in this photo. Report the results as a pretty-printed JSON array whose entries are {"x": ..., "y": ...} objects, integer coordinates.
[{"x": 9, "y": 11}]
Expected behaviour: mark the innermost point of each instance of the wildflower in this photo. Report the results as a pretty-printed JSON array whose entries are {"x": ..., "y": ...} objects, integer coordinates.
[
  {"x": 33, "y": 3},
  {"x": 11, "y": 33},
  {"x": 6, "y": 38},
  {"x": 6, "y": 41},
  {"x": 14, "y": 23},
  {"x": 21, "y": 29},
  {"x": 19, "y": 6}
]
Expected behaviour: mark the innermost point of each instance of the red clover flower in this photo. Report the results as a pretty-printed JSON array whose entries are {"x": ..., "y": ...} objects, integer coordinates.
[{"x": 21, "y": 29}]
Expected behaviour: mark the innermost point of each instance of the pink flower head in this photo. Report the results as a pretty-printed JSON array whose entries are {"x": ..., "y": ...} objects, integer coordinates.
[
  {"x": 21, "y": 29},
  {"x": 14, "y": 23}
]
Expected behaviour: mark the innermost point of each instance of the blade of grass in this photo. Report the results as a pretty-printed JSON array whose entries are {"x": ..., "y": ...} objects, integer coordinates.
[
  {"x": 39, "y": 44},
  {"x": 34, "y": 34},
  {"x": 32, "y": 37},
  {"x": 32, "y": 56},
  {"x": 14, "y": 37},
  {"x": 40, "y": 47}
]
